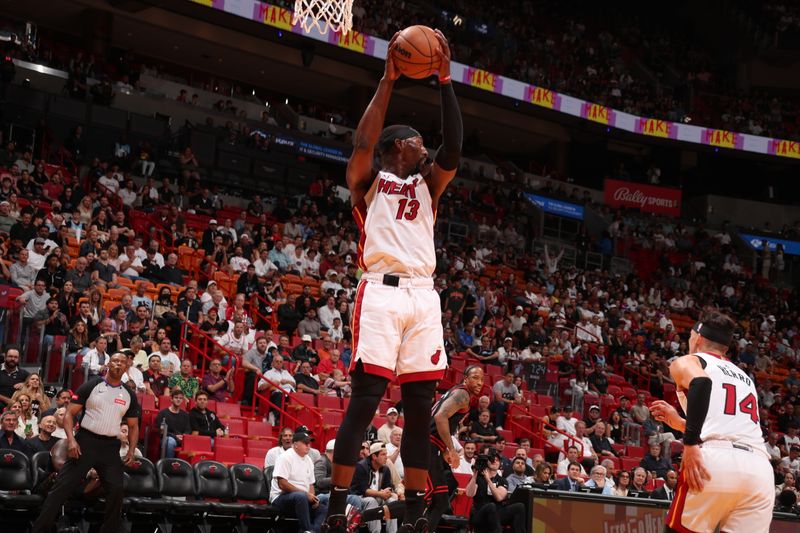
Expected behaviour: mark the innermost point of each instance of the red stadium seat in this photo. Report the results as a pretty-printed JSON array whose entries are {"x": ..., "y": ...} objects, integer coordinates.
[
  {"x": 195, "y": 448},
  {"x": 258, "y": 430},
  {"x": 629, "y": 463},
  {"x": 228, "y": 442},
  {"x": 329, "y": 403},
  {"x": 236, "y": 427},
  {"x": 229, "y": 456}
]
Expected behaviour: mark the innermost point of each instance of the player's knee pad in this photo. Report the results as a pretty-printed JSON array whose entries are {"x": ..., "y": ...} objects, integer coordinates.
[
  {"x": 417, "y": 400},
  {"x": 367, "y": 391}
]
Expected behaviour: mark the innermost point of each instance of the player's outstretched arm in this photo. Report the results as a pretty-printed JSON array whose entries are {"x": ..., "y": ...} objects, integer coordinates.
[
  {"x": 448, "y": 155},
  {"x": 359, "y": 168}
]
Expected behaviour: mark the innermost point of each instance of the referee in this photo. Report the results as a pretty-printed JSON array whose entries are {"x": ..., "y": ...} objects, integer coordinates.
[{"x": 105, "y": 403}]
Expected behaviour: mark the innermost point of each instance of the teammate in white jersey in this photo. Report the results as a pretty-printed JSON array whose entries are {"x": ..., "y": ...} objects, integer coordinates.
[
  {"x": 726, "y": 479},
  {"x": 397, "y": 328}
]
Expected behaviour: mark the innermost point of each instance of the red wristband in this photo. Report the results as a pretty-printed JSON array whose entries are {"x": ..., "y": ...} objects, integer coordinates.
[{"x": 444, "y": 80}]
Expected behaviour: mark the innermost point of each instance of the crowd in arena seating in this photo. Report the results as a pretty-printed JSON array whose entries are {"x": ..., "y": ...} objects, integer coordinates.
[{"x": 573, "y": 55}]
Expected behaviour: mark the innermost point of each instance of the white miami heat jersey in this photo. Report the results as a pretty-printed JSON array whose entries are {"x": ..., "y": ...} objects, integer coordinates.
[
  {"x": 396, "y": 219},
  {"x": 733, "y": 407}
]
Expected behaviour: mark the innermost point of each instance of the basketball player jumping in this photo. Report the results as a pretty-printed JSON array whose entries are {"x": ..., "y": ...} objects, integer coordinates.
[
  {"x": 726, "y": 479},
  {"x": 397, "y": 328}
]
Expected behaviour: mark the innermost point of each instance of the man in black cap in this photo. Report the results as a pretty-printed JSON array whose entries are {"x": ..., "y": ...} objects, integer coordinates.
[{"x": 292, "y": 488}]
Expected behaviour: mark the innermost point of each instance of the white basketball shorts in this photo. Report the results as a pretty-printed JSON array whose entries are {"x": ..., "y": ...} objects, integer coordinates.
[
  {"x": 398, "y": 330},
  {"x": 739, "y": 497}
]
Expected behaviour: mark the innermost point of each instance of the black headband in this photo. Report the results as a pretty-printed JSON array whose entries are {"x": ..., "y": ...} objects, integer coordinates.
[
  {"x": 398, "y": 132},
  {"x": 722, "y": 336}
]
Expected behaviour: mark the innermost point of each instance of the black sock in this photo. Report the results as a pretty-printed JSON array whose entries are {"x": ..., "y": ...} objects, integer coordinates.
[
  {"x": 396, "y": 510},
  {"x": 337, "y": 504},
  {"x": 415, "y": 506}
]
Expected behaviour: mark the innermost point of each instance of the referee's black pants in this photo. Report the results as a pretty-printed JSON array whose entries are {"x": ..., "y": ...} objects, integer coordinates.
[{"x": 102, "y": 454}]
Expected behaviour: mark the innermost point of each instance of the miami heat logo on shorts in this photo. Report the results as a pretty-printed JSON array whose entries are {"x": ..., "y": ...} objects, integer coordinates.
[{"x": 435, "y": 357}]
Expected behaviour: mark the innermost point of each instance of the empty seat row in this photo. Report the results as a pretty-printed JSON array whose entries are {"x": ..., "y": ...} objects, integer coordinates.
[{"x": 169, "y": 493}]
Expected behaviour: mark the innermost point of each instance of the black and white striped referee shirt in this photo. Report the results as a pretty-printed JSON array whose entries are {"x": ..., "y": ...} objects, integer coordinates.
[{"x": 105, "y": 406}]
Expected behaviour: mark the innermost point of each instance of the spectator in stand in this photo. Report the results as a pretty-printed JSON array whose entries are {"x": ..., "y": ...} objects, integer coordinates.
[
  {"x": 305, "y": 351},
  {"x": 292, "y": 490},
  {"x": 288, "y": 316},
  {"x": 96, "y": 359},
  {"x": 27, "y": 423},
  {"x": 385, "y": 431},
  {"x": 189, "y": 307},
  {"x": 598, "y": 380},
  {"x": 169, "y": 359},
  {"x": 284, "y": 443},
  {"x": 79, "y": 276},
  {"x": 217, "y": 383},
  {"x": 278, "y": 257},
  {"x": 204, "y": 421},
  {"x": 640, "y": 419},
  {"x": 10, "y": 440},
  {"x": 62, "y": 399},
  {"x": 573, "y": 482},
  {"x": 573, "y": 455},
  {"x": 44, "y": 441},
  {"x": 395, "y": 461},
  {"x": 184, "y": 381},
  {"x": 23, "y": 274},
  {"x": 326, "y": 367},
  {"x": 305, "y": 381},
  {"x": 592, "y": 417},
  {"x": 505, "y": 394},
  {"x": 483, "y": 431},
  {"x": 372, "y": 482},
  {"x": 155, "y": 383},
  {"x": 310, "y": 326},
  {"x": 667, "y": 490},
  {"x": 278, "y": 383},
  {"x": 485, "y": 353},
  {"x": 133, "y": 377},
  {"x": 177, "y": 422},
  {"x": 170, "y": 273},
  {"x": 598, "y": 484},
  {"x": 638, "y": 482},
  {"x": 328, "y": 313},
  {"x": 235, "y": 341},
  {"x": 601, "y": 444},
  {"x": 622, "y": 485},
  {"x": 517, "y": 476},
  {"x": 791, "y": 463},
  {"x": 543, "y": 474}
]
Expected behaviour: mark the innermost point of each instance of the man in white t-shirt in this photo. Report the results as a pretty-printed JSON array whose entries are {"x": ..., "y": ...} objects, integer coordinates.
[
  {"x": 169, "y": 360},
  {"x": 263, "y": 265},
  {"x": 292, "y": 488},
  {"x": 132, "y": 373},
  {"x": 328, "y": 312},
  {"x": 518, "y": 319},
  {"x": 573, "y": 456},
  {"x": 284, "y": 444},
  {"x": 279, "y": 382}
]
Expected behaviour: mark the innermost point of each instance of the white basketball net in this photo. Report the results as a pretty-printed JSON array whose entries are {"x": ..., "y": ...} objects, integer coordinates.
[{"x": 323, "y": 14}]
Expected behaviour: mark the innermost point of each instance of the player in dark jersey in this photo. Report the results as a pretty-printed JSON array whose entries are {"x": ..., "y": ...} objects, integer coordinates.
[{"x": 451, "y": 408}]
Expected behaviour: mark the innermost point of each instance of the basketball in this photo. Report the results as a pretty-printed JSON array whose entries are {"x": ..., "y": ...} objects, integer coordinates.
[{"x": 416, "y": 52}]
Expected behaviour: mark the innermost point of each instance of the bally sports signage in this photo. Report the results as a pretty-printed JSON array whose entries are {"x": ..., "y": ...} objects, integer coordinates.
[{"x": 646, "y": 198}]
